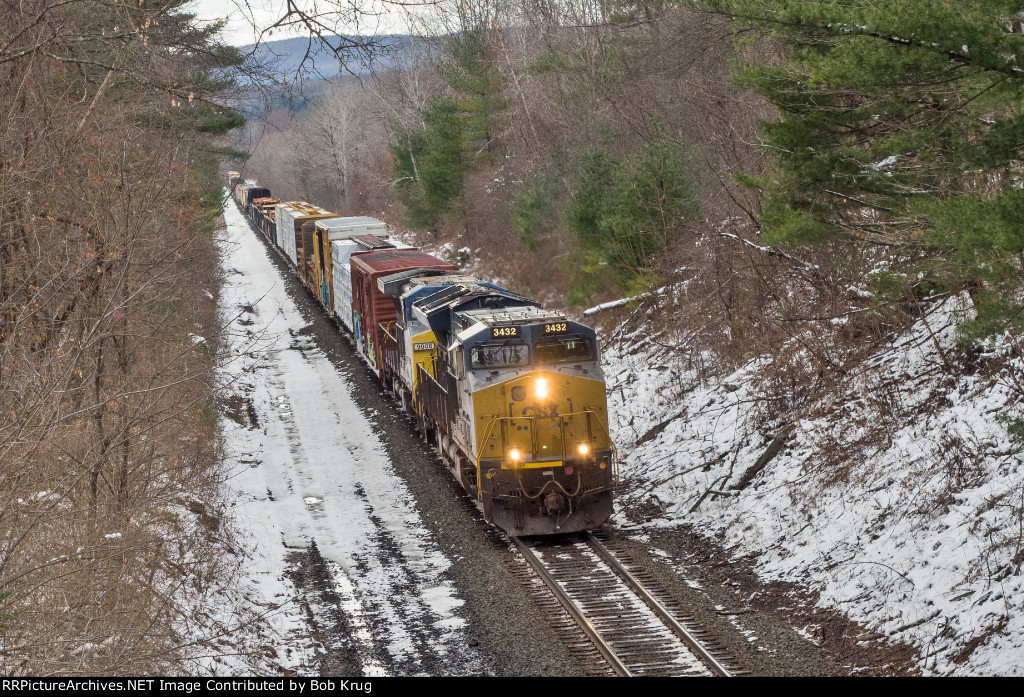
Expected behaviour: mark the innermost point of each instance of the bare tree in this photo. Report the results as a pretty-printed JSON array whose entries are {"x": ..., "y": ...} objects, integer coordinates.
[{"x": 110, "y": 478}]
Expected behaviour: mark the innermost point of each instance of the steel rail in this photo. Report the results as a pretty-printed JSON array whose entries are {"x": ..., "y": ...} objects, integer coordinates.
[
  {"x": 574, "y": 610},
  {"x": 663, "y": 614}
]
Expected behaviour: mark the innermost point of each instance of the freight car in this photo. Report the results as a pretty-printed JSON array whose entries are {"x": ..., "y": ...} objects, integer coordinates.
[
  {"x": 511, "y": 395},
  {"x": 328, "y": 231}
]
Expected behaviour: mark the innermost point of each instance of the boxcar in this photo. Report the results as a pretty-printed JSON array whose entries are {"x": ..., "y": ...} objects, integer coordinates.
[
  {"x": 341, "y": 271},
  {"x": 329, "y": 230},
  {"x": 370, "y": 307},
  {"x": 290, "y": 217}
]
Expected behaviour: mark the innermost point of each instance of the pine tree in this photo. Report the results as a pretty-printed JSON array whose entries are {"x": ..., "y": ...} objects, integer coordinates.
[
  {"x": 457, "y": 132},
  {"x": 900, "y": 124},
  {"x": 621, "y": 210}
]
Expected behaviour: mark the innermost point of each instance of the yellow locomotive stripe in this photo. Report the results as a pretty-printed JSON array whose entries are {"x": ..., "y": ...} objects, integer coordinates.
[
  {"x": 540, "y": 465},
  {"x": 425, "y": 357}
]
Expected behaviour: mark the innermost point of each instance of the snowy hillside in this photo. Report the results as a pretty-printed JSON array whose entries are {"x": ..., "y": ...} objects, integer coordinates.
[{"x": 899, "y": 498}]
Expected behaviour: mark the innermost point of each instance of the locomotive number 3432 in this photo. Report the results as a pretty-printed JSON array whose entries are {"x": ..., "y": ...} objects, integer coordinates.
[{"x": 555, "y": 327}]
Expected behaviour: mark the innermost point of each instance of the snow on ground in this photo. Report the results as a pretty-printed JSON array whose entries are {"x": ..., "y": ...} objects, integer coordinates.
[
  {"x": 900, "y": 501},
  {"x": 312, "y": 469}
]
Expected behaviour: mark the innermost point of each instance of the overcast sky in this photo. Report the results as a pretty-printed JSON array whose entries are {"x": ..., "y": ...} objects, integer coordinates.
[{"x": 242, "y": 15}]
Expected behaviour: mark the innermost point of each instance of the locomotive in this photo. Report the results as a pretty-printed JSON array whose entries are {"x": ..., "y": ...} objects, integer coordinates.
[{"x": 512, "y": 396}]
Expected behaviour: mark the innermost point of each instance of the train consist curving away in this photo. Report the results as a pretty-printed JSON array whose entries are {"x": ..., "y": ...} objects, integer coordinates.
[{"x": 511, "y": 395}]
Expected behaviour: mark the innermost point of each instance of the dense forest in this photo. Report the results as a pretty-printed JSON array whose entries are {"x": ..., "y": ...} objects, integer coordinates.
[
  {"x": 804, "y": 174},
  {"x": 110, "y": 467}
]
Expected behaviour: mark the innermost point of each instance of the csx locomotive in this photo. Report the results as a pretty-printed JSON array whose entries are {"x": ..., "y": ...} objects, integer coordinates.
[{"x": 511, "y": 395}]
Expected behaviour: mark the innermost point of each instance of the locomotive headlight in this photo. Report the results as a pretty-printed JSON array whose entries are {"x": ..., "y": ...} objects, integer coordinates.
[
  {"x": 583, "y": 449},
  {"x": 541, "y": 388},
  {"x": 514, "y": 455}
]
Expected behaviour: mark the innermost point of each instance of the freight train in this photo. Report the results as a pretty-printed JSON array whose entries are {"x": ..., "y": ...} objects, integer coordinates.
[{"x": 511, "y": 395}]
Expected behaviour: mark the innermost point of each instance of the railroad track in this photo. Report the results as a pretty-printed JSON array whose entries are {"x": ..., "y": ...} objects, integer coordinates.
[{"x": 634, "y": 630}]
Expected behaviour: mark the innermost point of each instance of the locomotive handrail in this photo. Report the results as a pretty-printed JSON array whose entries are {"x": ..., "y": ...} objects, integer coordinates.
[
  {"x": 390, "y": 350},
  {"x": 615, "y": 450},
  {"x": 434, "y": 398},
  {"x": 487, "y": 437},
  {"x": 423, "y": 370}
]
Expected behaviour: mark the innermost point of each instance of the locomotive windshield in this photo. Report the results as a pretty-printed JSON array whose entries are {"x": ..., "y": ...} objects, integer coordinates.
[
  {"x": 564, "y": 350},
  {"x": 499, "y": 356}
]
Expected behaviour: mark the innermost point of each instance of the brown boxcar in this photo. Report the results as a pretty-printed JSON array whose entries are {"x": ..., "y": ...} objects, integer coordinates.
[
  {"x": 261, "y": 208},
  {"x": 305, "y": 261},
  {"x": 290, "y": 218},
  {"x": 270, "y": 222},
  {"x": 370, "y": 307}
]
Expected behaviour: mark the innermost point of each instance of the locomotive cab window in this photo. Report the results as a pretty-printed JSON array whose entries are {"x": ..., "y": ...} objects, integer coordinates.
[
  {"x": 484, "y": 356},
  {"x": 567, "y": 349}
]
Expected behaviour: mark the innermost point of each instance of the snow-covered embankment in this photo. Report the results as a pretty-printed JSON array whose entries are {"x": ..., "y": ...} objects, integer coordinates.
[{"x": 899, "y": 500}]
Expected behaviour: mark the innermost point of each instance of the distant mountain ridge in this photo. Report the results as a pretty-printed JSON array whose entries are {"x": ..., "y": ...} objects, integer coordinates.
[{"x": 288, "y": 57}]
